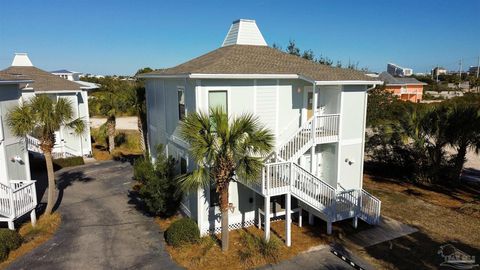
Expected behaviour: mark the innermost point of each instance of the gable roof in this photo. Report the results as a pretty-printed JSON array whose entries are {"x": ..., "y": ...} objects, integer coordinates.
[
  {"x": 42, "y": 80},
  {"x": 250, "y": 59},
  {"x": 390, "y": 80}
]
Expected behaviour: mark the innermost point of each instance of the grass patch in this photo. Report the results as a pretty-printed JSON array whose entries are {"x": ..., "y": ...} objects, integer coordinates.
[
  {"x": 441, "y": 216},
  {"x": 247, "y": 248},
  {"x": 68, "y": 162},
  {"x": 127, "y": 143},
  {"x": 34, "y": 236}
]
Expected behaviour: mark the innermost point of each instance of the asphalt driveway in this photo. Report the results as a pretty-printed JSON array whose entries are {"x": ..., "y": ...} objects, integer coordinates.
[{"x": 100, "y": 229}]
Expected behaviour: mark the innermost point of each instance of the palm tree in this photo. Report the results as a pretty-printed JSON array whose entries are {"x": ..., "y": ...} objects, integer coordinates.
[
  {"x": 463, "y": 132},
  {"x": 44, "y": 116},
  {"x": 111, "y": 103},
  {"x": 224, "y": 150}
]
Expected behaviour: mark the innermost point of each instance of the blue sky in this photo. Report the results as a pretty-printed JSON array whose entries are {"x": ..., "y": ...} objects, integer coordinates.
[{"x": 118, "y": 37}]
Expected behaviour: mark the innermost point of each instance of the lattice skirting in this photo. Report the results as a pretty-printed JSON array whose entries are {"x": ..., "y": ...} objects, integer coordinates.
[{"x": 239, "y": 225}]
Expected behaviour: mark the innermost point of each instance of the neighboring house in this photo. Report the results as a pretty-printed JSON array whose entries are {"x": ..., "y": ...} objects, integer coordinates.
[
  {"x": 67, "y": 142},
  {"x": 316, "y": 113},
  {"x": 474, "y": 71},
  {"x": 17, "y": 191},
  {"x": 398, "y": 71},
  {"x": 406, "y": 89},
  {"x": 437, "y": 71},
  {"x": 75, "y": 77}
]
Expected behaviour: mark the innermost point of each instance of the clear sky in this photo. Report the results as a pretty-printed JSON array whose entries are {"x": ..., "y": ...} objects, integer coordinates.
[{"x": 119, "y": 37}]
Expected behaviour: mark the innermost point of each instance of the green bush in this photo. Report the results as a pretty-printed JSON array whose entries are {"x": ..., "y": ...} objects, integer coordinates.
[
  {"x": 181, "y": 232},
  {"x": 68, "y": 162},
  {"x": 254, "y": 245},
  {"x": 160, "y": 192},
  {"x": 3, "y": 252},
  {"x": 9, "y": 240}
]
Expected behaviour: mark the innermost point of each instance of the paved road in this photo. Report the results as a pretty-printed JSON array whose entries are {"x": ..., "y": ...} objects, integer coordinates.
[
  {"x": 100, "y": 229},
  {"x": 122, "y": 123}
]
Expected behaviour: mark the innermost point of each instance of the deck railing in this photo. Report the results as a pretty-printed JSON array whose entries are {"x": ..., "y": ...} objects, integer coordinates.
[
  {"x": 370, "y": 207},
  {"x": 17, "y": 199},
  {"x": 326, "y": 130}
]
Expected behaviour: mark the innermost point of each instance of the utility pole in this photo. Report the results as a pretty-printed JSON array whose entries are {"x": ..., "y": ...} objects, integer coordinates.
[
  {"x": 460, "y": 68},
  {"x": 478, "y": 66},
  {"x": 436, "y": 71}
]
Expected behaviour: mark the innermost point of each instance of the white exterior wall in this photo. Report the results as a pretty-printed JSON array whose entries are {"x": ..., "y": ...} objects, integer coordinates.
[
  {"x": 352, "y": 137},
  {"x": 65, "y": 138},
  {"x": 10, "y": 145},
  {"x": 279, "y": 104}
]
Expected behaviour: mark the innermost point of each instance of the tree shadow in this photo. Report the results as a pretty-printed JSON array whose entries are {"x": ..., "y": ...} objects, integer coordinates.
[
  {"x": 415, "y": 251},
  {"x": 130, "y": 158},
  {"x": 66, "y": 179}
]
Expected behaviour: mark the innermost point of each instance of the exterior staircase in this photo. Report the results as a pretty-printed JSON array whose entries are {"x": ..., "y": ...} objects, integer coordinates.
[
  {"x": 33, "y": 145},
  {"x": 16, "y": 200},
  {"x": 284, "y": 175}
]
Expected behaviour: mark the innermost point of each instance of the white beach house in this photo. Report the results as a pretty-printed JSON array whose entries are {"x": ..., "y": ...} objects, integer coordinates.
[
  {"x": 67, "y": 143},
  {"x": 316, "y": 112},
  {"x": 17, "y": 190}
]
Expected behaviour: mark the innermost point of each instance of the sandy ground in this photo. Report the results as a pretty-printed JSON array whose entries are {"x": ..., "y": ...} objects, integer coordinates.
[{"x": 123, "y": 123}]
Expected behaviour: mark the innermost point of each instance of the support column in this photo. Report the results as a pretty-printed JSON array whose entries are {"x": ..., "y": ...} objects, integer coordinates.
[
  {"x": 310, "y": 218},
  {"x": 288, "y": 219},
  {"x": 259, "y": 219},
  {"x": 355, "y": 222},
  {"x": 329, "y": 227},
  {"x": 33, "y": 218},
  {"x": 313, "y": 164},
  {"x": 300, "y": 217},
  {"x": 266, "y": 215},
  {"x": 11, "y": 225}
]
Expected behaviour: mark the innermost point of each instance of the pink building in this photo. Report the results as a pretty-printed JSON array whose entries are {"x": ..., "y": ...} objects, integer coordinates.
[{"x": 407, "y": 89}]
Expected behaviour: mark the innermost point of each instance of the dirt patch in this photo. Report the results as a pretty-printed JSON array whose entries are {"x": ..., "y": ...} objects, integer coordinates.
[{"x": 207, "y": 253}]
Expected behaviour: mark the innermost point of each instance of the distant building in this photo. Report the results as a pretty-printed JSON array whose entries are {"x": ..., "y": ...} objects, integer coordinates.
[
  {"x": 407, "y": 89},
  {"x": 75, "y": 77},
  {"x": 439, "y": 71},
  {"x": 398, "y": 71},
  {"x": 473, "y": 70}
]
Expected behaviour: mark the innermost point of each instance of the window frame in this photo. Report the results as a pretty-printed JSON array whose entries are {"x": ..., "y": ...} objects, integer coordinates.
[{"x": 179, "y": 111}]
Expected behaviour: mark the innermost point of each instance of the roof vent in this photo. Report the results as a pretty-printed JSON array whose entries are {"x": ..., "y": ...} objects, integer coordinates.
[
  {"x": 244, "y": 32},
  {"x": 21, "y": 60}
]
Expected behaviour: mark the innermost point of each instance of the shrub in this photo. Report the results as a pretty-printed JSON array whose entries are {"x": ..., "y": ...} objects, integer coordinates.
[
  {"x": 181, "y": 232},
  {"x": 11, "y": 239},
  {"x": 159, "y": 192},
  {"x": 68, "y": 162},
  {"x": 3, "y": 252},
  {"x": 253, "y": 245}
]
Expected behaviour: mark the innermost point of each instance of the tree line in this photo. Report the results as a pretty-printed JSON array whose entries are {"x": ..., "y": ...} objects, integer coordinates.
[
  {"x": 293, "y": 49},
  {"x": 425, "y": 143}
]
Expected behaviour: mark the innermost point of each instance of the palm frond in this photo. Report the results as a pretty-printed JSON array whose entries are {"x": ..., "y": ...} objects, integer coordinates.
[
  {"x": 21, "y": 120},
  {"x": 192, "y": 181}
]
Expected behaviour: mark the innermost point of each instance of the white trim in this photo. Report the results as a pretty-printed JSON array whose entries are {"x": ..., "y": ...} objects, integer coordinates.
[
  {"x": 340, "y": 133},
  {"x": 243, "y": 76},
  {"x": 16, "y": 82},
  {"x": 353, "y": 82},
  {"x": 162, "y": 76},
  {"x": 58, "y": 91},
  {"x": 255, "y": 96},
  {"x": 277, "y": 107}
]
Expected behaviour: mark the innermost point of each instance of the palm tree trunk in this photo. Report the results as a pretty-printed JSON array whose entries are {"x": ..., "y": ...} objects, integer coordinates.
[
  {"x": 460, "y": 160},
  {"x": 142, "y": 134},
  {"x": 224, "y": 212},
  {"x": 111, "y": 133},
  {"x": 51, "y": 181}
]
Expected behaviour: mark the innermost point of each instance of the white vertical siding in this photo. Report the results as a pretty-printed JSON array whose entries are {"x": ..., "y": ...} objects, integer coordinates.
[{"x": 266, "y": 103}]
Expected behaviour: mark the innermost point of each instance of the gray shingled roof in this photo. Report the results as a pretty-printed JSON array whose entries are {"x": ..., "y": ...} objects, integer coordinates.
[
  {"x": 9, "y": 77},
  {"x": 248, "y": 59},
  {"x": 389, "y": 79},
  {"x": 42, "y": 80}
]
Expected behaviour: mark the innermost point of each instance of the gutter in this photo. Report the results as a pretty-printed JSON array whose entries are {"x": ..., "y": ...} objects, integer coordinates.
[{"x": 256, "y": 76}]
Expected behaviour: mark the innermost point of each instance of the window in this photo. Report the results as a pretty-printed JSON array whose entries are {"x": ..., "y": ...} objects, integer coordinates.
[
  {"x": 183, "y": 166},
  {"x": 218, "y": 99},
  {"x": 181, "y": 103}
]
